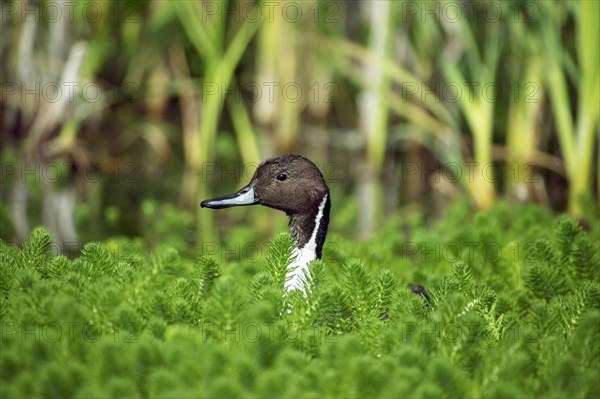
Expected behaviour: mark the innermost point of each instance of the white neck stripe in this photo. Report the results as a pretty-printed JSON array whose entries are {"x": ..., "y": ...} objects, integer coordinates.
[
  {"x": 301, "y": 257},
  {"x": 313, "y": 236}
]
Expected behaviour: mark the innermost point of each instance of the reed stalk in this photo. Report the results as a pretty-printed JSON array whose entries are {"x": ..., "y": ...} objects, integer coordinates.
[
  {"x": 477, "y": 107},
  {"x": 374, "y": 102},
  {"x": 525, "y": 106},
  {"x": 373, "y": 111},
  {"x": 576, "y": 135},
  {"x": 207, "y": 35},
  {"x": 244, "y": 131},
  {"x": 288, "y": 118}
]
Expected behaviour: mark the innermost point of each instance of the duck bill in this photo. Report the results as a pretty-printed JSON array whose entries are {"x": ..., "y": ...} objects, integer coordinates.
[{"x": 243, "y": 197}]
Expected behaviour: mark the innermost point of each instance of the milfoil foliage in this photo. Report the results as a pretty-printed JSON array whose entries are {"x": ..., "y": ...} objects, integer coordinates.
[{"x": 514, "y": 311}]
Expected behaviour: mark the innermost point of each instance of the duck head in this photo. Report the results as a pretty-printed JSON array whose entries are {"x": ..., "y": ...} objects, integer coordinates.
[{"x": 294, "y": 185}]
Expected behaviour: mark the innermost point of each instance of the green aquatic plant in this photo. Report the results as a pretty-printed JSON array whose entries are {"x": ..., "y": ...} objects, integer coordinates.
[{"x": 119, "y": 320}]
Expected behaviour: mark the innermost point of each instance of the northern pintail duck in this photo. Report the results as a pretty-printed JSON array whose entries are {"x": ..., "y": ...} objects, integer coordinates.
[{"x": 293, "y": 184}]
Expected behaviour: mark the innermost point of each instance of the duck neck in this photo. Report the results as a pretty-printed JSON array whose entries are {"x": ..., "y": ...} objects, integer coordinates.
[{"x": 308, "y": 231}]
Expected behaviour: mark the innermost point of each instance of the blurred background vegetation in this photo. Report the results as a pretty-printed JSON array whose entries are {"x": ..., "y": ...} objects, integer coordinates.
[{"x": 118, "y": 117}]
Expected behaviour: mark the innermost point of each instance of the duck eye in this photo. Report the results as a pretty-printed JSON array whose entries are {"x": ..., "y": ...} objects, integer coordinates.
[{"x": 281, "y": 176}]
